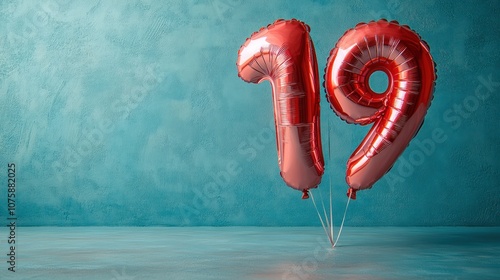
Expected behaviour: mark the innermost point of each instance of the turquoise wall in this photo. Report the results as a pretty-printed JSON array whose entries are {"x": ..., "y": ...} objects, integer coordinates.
[{"x": 132, "y": 113}]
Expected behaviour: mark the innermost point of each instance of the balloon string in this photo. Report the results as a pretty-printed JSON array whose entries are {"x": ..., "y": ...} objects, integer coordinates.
[
  {"x": 330, "y": 238},
  {"x": 331, "y": 214},
  {"x": 328, "y": 228},
  {"x": 343, "y": 220},
  {"x": 328, "y": 224},
  {"x": 330, "y": 177}
]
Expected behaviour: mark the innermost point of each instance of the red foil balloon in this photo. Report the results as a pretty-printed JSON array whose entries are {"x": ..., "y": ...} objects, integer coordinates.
[
  {"x": 398, "y": 112},
  {"x": 284, "y": 54}
]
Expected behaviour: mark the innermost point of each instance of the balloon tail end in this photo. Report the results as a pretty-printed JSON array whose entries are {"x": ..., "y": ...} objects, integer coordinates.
[
  {"x": 352, "y": 193},
  {"x": 305, "y": 194}
]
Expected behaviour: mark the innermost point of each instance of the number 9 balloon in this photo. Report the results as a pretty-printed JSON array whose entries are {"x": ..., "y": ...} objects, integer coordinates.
[
  {"x": 284, "y": 54},
  {"x": 398, "y": 112}
]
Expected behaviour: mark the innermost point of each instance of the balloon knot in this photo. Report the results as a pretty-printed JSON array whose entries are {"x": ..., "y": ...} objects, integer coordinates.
[
  {"x": 305, "y": 194},
  {"x": 352, "y": 193}
]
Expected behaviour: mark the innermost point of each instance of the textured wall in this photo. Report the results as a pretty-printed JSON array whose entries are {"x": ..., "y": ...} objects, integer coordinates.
[{"x": 131, "y": 113}]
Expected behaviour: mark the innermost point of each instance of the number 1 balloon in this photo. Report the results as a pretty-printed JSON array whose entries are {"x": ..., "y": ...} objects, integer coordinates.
[
  {"x": 284, "y": 54},
  {"x": 398, "y": 112}
]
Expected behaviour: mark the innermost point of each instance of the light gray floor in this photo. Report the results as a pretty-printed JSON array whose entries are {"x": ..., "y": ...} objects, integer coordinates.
[{"x": 125, "y": 253}]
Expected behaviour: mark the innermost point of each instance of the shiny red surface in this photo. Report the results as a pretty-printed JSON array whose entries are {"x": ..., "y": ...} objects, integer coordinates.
[
  {"x": 397, "y": 113},
  {"x": 284, "y": 54}
]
